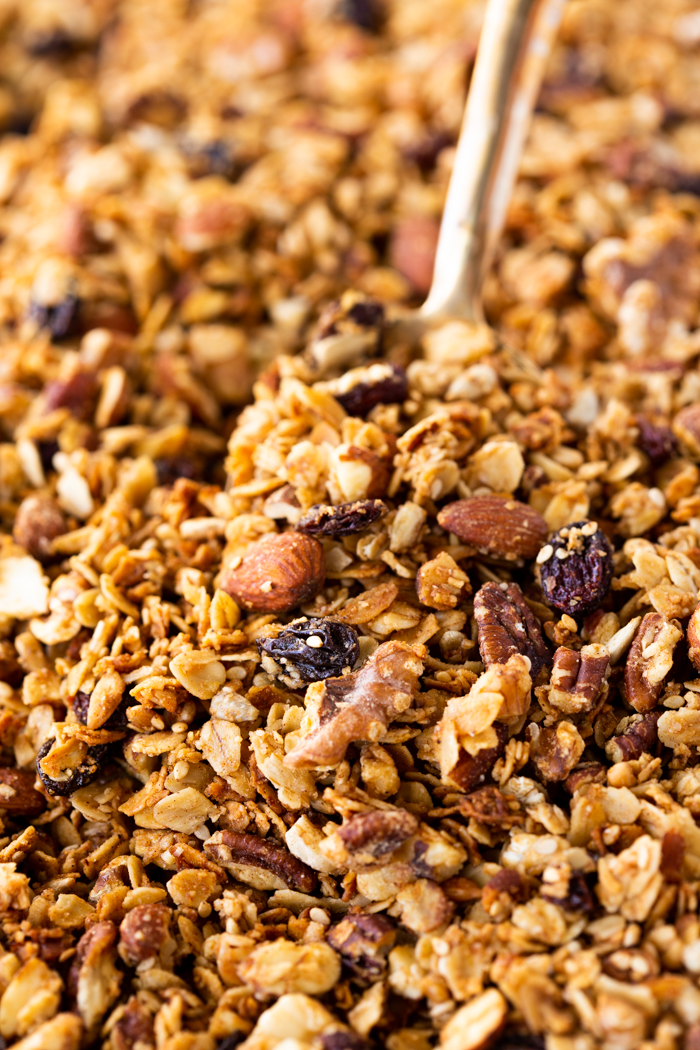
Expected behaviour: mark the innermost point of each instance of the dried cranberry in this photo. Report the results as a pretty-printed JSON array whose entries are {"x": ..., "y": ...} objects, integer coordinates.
[
  {"x": 656, "y": 439},
  {"x": 386, "y": 384},
  {"x": 343, "y": 520},
  {"x": 576, "y": 568},
  {"x": 83, "y": 775},
  {"x": 310, "y": 651}
]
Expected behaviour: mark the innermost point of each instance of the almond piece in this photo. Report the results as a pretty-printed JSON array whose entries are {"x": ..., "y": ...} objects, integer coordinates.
[
  {"x": 496, "y": 525},
  {"x": 279, "y": 572},
  {"x": 18, "y": 796}
]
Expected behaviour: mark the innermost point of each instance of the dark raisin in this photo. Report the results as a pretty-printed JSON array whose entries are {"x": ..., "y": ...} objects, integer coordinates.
[
  {"x": 83, "y": 775},
  {"x": 343, "y": 520},
  {"x": 657, "y": 440},
  {"x": 47, "y": 450},
  {"x": 514, "y": 1040},
  {"x": 367, "y": 14},
  {"x": 169, "y": 470},
  {"x": 576, "y": 568},
  {"x": 211, "y": 158},
  {"x": 344, "y": 1041},
  {"x": 310, "y": 651},
  {"x": 426, "y": 150},
  {"x": 578, "y": 898},
  {"x": 59, "y": 319},
  {"x": 369, "y": 313},
  {"x": 117, "y": 720},
  {"x": 385, "y": 385},
  {"x": 230, "y": 1042}
]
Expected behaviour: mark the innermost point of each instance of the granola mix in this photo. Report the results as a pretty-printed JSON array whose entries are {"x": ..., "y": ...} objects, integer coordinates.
[{"x": 349, "y": 689}]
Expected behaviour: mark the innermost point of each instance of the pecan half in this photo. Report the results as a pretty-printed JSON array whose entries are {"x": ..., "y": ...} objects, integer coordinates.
[
  {"x": 363, "y": 941},
  {"x": 586, "y": 773},
  {"x": 230, "y": 848},
  {"x": 579, "y": 679},
  {"x": 555, "y": 750},
  {"x": 368, "y": 836},
  {"x": 488, "y": 805},
  {"x": 358, "y": 706},
  {"x": 472, "y": 770},
  {"x": 507, "y": 625},
  {"x": 649, "y": 660},
  {"x": 640, "y": 736}
]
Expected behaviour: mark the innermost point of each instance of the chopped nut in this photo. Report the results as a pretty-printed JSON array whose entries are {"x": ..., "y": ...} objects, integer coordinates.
[
  {"x": 579, "y": 679},
  {"x": 555, "y": 750},
  {"x": 640, "y": 737},
  {"x": 39, "y": 520},
  {"x": 357, "y": 706},
  {"x": 649, "y": 661},
  {"x": 244, "y": 855},
  {"x": 507, "y": 626}
]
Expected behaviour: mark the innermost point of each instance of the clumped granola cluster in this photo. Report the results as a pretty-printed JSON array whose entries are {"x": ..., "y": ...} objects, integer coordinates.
[{"x": 348, "y": 687}]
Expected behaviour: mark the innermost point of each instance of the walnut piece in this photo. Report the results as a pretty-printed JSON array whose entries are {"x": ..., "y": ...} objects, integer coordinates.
[
  {"x": 507, "y": 625},
  {"x": 358, "y": 706},
  {"x": 367, "y": 837},
  {"x": 579, "y": 679},
  {"x": 245, "y": 855},
  {"x": 649, "y": 660},
  {"x": 502, "y": 694},
  {"x": 364, "y": 941}
]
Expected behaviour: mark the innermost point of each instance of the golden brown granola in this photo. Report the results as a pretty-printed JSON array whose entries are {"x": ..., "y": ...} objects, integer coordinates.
[{"x": 348, "y": 688}]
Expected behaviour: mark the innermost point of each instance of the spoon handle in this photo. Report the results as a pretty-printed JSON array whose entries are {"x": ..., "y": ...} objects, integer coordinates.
[{"x": 515, "y": 42}]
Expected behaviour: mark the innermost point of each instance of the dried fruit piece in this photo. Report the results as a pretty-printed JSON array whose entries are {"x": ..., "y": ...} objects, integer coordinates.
[
  {"x": 497, "y": 525},
  {"x": 379, "y": 383},
  {"x": 39, "y": 520},
  {"x": 507, "y": 625},
  {"x": 656, "y": 439},
  {"x": 81, "y": 767},
  {"x": 576, "y": 567},
  {"x": 310, "y": 651},
  {"x": 342, "y": 520},
  {"x": 278, "y": 573},
  {"x": 649, "y": 660},
  {"x": 358, "y": 706}
]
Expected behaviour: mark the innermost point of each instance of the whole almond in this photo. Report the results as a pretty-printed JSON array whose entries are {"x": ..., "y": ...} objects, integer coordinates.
[
  {"x": 18, "y": 796},
  {"x": 496, "y": 525},
  {"x": 280, "y": 572}
]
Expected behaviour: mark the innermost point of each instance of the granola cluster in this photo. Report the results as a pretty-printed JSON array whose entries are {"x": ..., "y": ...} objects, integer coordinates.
[{"x": 349, "y": 687}]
